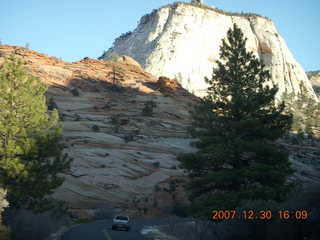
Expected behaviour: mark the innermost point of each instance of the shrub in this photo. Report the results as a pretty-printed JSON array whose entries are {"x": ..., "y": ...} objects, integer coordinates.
[
  {"x": 305, "y": 111},
  {"x": 180, "y": 210},
  {"x": 77, "y": 117},
  {"x": 116, "y": 88},
  {"x": 51, "y": 104},
  {"x": 62, "y": 117},
  {"x": 95, "y": 128},
  {"x": 5, "y": 233},
  {"x": 148, "y": 108},
  {"x": 95, "y": 89},
  {"x": 28, "y": 225},
  {"x": 157, "y": 188},
  {"x": 156, "y": 164},
  {"x": 115, "y": 121},
  {"x": 128, "y": 138},
  {"x": 82, "y": 220},
  {"x": 227, "y": 13},
  {"x": 107, "y": 212},
  {"x": 75, "y": 92}
]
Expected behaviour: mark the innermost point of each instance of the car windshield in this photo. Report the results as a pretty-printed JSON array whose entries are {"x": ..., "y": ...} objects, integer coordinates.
[{"x": 122, "y": 218}]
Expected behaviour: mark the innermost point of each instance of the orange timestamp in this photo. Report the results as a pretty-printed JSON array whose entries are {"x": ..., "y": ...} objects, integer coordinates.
[{"x": 262, "y": 215}]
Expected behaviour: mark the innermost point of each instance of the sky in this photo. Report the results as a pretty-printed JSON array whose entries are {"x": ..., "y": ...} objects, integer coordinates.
[{"x": 74, "y": 29}]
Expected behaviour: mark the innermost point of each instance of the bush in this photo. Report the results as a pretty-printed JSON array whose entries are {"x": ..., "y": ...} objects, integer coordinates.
[
  {"x": 227, "y": 13},
  {"x": 77, "y": 117},
  {"x": 107, "y": 212},
  {"x": 156, "y": 164},
  {"x": 148, "y": 108},
  {"x": 51, "y": 104},
  {"x": 115, "y": 121},
  {"x": 128, "y": 138},
  {"x": 28, "y": 225},
  {"x": 196, "y": 230},
  {"x": 5, "y": 233},
  {"x": 116, "y": 88},
  {"x": 95, "y": 128},
  {"x": 95, "y": 89},
  {"x": 75, "y": 92},
  {"x": 305, "y": 111},
  {"x": 180, "y": 210}
]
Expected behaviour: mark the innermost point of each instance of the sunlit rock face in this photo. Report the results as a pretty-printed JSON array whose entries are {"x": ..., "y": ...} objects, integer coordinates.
[{"x": 182, "y": 41}]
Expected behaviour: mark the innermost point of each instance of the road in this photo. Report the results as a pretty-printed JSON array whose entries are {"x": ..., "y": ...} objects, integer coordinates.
[{"x": 101, "y": 230}]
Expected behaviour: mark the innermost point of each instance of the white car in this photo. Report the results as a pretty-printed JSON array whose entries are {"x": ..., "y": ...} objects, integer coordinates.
[{"x": 122, "y": 222}]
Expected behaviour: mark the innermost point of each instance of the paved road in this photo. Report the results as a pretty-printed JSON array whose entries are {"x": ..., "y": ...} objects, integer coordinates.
[{"x": 101, "y": 230}]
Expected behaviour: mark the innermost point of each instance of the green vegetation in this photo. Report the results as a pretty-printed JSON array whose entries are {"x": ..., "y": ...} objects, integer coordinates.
[
  {"x": 5, "y": 233},
  {"x": 235, "y": 125},
  {"x": 123, "y": 36},
  {"x": 30, "y": 140},
  {"x": 26, "y": 224},
  {"x": 178, "y": 78},
  {"x": 51, "y": 104},
  {"x": 148, "y": 108},
  {"x": 240, "y": 14},
  {"x": 305, "y": 111},
  {"x": 75, "y": 92},
  {"x": 83, "y": 220},
  {"x": 95, "y": 128},
  {"x": 116, "y": 68},
  {"x": 115, "y": 121},
  {"x": 312, "y": 74}
]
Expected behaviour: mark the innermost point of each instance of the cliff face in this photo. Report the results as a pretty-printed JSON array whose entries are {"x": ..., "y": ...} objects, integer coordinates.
[{"x": 182, "y": 41}]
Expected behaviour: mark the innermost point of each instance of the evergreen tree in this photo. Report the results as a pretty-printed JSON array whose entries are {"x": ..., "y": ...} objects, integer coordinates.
[
  {"x": 116, "y": 68},
  {"x": 30, "y": 139},
  {"x": 305, "y": 111},
  {"x": 235, "y": 125}
]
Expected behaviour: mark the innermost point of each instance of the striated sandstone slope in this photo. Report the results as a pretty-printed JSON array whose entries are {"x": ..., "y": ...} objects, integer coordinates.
[
  {"x": 183, "y": 40},
  {"x": 121, "y": 157}
]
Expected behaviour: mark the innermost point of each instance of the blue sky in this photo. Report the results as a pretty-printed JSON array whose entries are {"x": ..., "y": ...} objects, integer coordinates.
[{"x": 74, "y": 29}]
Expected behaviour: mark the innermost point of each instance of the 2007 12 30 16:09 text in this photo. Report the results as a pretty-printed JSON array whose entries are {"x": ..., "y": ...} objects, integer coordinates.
[{"x": 263, "y": 214}]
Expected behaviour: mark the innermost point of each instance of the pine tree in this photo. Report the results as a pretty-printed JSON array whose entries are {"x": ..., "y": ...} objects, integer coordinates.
[
  {"x": 305, "y": 111},
  {"x": 116, "y": 68},
  {"x": 235, "y": 126},
  {"x": 30, "y": 139}
]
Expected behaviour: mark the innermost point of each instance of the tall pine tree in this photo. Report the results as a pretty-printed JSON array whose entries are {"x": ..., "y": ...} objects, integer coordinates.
[
  {"x": 235, "y": 125},
  {"x": 30, "y": 139}
]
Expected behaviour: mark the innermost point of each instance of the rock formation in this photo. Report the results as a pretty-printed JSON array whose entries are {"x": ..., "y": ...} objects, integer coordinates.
[{"x": 184, "y": 39}]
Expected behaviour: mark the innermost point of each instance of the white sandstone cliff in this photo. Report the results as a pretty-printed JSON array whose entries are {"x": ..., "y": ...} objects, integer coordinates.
[{"x": 182, "y": 41}]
